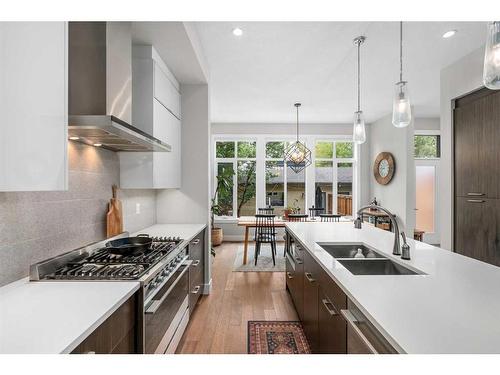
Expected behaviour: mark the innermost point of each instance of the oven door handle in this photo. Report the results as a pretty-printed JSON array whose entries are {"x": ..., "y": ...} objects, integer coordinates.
[{"x": 155, "y": 305}]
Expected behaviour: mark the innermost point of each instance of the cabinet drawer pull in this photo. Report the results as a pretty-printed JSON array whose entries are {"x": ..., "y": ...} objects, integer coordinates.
[
  {"x": 195, "y": 263},
  {"x": 90, "y": 352},
  {"x": 475, "y": 200},
  {"x": 475, "y": 194},
  {"x": 351, "y": 320},
  {"x": 196, "y": 289},
  {"x": 309, "y": 277},
  {"x": 298, "y": 260},
  {"x": 289, "y": 275},
  {"x": 195, "y": 242},
  {"x": 329, "y": 307}
]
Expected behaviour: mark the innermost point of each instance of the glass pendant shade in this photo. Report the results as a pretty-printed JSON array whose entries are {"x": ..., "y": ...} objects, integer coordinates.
[
  {"x": 401, "y": 108},
  {"x": 491, "y": 70},
  {"x": 358, "y": 131}
]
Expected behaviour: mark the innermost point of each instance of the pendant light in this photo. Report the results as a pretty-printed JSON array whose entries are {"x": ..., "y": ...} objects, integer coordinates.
[
  {"x": 491, "y": 70},
  {"x": 358, "y": 131},
  {"x": 401, "y": 108},
  {"x": 297, "y": 155}
]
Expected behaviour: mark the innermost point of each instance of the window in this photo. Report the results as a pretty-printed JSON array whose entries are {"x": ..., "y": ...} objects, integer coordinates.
[
  {"x": 333, "y": 173},
  {"x": 427, "y": 146},
  {"x": 250, "y": 162},
  {"x": 237, "y": 159}
]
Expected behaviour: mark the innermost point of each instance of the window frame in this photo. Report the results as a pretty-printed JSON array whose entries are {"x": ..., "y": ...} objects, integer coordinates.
[
  {"x": 436, "y": 133},
  {"x": 261, "y": 159}
]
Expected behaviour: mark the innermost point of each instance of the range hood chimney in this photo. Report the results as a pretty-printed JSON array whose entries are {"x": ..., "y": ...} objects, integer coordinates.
[{"x": 100, "y": 88}]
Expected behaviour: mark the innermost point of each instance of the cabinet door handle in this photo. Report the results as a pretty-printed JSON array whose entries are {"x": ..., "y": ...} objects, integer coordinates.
[
  {"x": 289, "y": 275},
  {"x": 329, "y": 307},
  {"x": 475, "y": 194},
  {"x": 195, "y": 263},
  {"x": 90, "y": 352},
  {"x": 475, "y": 200},
  {"x": 309, "y": 277},
  {"x": 298, "y": 260},
  {"x": 351, "y": 320},
  {"x": 196, "y": 289},
  {"x": 195, "y": 242}
]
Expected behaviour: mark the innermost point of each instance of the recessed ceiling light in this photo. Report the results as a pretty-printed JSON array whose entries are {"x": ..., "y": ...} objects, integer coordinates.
[
  {"x": 237, "y": 31},
  {"x": 97, "y": 144},
  {"x": 74, "y": 138},
  {"x": 449, "y": 34}
]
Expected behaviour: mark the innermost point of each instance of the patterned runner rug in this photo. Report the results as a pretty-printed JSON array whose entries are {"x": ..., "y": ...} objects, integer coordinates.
[{"x": 266, "y": 337}]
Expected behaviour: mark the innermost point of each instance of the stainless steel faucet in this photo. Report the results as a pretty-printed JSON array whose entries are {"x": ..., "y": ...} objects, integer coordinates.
[{"x": 405, "y": 253}]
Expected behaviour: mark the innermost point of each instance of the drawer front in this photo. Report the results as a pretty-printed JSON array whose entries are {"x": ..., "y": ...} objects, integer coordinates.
[
  {"x": 332, "y": 328},
  {"x": 195, "y": 287},
  {"x": 114, "y": 335},
  {"x": 332, "y": 291},
  {"x": 165, "y": 92},
  {"x": 196, "y": 246}
]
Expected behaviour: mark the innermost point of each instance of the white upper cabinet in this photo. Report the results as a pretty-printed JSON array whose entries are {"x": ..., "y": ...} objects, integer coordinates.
[
  {"x": 155, "y": 110},
  {"x": 33, "y": 106}
]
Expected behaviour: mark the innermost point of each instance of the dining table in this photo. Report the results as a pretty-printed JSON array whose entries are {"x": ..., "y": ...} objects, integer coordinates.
[{"x": 249, "y": 222}]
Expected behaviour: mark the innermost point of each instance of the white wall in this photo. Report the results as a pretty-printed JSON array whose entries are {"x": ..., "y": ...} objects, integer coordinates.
[
  {"x": 280, "y": 129},
  {"x": 457, "y": 79},
  {"x": 431, "y": 123},
  {"x": 399, "y": 195}
]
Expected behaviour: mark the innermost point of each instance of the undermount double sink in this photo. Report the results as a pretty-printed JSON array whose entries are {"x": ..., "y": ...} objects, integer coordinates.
[{"x": 370, "y": 263}]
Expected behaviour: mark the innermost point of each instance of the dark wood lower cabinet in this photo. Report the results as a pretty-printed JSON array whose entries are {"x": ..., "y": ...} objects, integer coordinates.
[
  {"x": 311, "y": 294},
  {"x": 119, "y": 334},
  {"x": 331, "y": 327},
  {"x": 477, "y": 228}
]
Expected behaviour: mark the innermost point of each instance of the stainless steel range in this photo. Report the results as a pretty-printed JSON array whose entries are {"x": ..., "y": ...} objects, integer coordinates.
[{"x": 161, "y": 268}]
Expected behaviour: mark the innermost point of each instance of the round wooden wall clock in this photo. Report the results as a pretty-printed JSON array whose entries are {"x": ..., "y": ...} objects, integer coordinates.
[{"x": 384, "y": 167}]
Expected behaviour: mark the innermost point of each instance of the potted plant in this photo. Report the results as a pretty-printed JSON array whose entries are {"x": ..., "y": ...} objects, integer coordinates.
[{"x": 224, "y": 182}]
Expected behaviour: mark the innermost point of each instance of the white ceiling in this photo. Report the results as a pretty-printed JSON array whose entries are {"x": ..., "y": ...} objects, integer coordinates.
[{"x": 257, "y": 77}]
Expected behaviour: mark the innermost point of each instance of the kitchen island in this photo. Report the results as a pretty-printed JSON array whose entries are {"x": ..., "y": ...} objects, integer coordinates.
[{"x": 450, "y": 306}]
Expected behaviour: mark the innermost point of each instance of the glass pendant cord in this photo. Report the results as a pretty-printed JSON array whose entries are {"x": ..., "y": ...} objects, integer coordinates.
[
  {"x": 401, "y": 51},
  {"x": 297, "y": 105},
  {"x": 359, "y": 77}
]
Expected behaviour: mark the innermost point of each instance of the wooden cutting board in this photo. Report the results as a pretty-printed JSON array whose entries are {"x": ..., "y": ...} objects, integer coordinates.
[{"x": 114, "y": 218}]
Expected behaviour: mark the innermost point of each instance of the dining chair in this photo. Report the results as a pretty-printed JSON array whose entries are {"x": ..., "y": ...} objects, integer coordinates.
[
  {"x": 330, "y": 217},
  {"x": 297, "y": 217},
  {"x": 265, "y": 232},
  {"x": 265, "y": 211},
  {"x": 315, "y": 211}
]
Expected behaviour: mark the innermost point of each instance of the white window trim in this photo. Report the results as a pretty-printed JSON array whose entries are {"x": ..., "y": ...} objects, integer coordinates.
[{"x": 310, "y": 183}]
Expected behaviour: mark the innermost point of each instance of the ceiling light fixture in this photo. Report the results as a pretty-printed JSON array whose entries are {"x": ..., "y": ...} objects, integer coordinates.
[
  {"x": 358, "y": 131},
  {"x": 449, "y": 34},
  {"x": 297, "y": 155},
  {"x": 74, "y": 138},
  {"x": 401, "y": 108},
  {"x": 97, "y": 144},
  {"x": 237, "y": 31},
  {"x": 491, "y": 69}
]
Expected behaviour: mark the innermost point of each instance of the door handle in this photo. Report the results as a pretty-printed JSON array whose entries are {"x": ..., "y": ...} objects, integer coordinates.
[
  {"x": 195, "y": 263},
  {"x": 329, "y": 307},
  {"x": 475, "y": 194},
  {"x": 196, "y": 289},
  {"x": 309, "y": 277},
  {"x": 475, "y": 200},
  {"x": 195, "y": 242},
  {"x": 289, "y": 275}
]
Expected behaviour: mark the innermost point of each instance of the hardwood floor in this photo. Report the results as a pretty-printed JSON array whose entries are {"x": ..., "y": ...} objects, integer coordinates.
[{"x": 219, "y": 323}]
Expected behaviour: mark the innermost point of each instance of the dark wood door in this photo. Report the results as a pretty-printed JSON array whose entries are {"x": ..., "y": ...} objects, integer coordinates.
[
  {"x": 310, "y": 316},
  {"x": 476, "y": 139},
  {"x": 477, "y": 228},
  {"x": 332, "y": 329}
]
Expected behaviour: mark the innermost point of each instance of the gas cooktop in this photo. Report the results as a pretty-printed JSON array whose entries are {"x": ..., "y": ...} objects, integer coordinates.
[{"x": 101, "y": 264}]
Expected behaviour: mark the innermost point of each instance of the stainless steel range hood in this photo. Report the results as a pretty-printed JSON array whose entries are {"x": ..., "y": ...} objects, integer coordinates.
[{"x": 100, "y": 88}]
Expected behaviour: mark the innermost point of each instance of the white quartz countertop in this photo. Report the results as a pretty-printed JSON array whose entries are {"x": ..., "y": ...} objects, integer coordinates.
[
  {"x": 184, "y": 231},
  {"x": 453, "y": 308},
  {"x": 56, "y": 316}
]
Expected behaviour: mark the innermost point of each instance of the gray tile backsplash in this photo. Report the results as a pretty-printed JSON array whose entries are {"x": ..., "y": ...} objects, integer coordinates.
[{"x": 38, "y": 225}]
